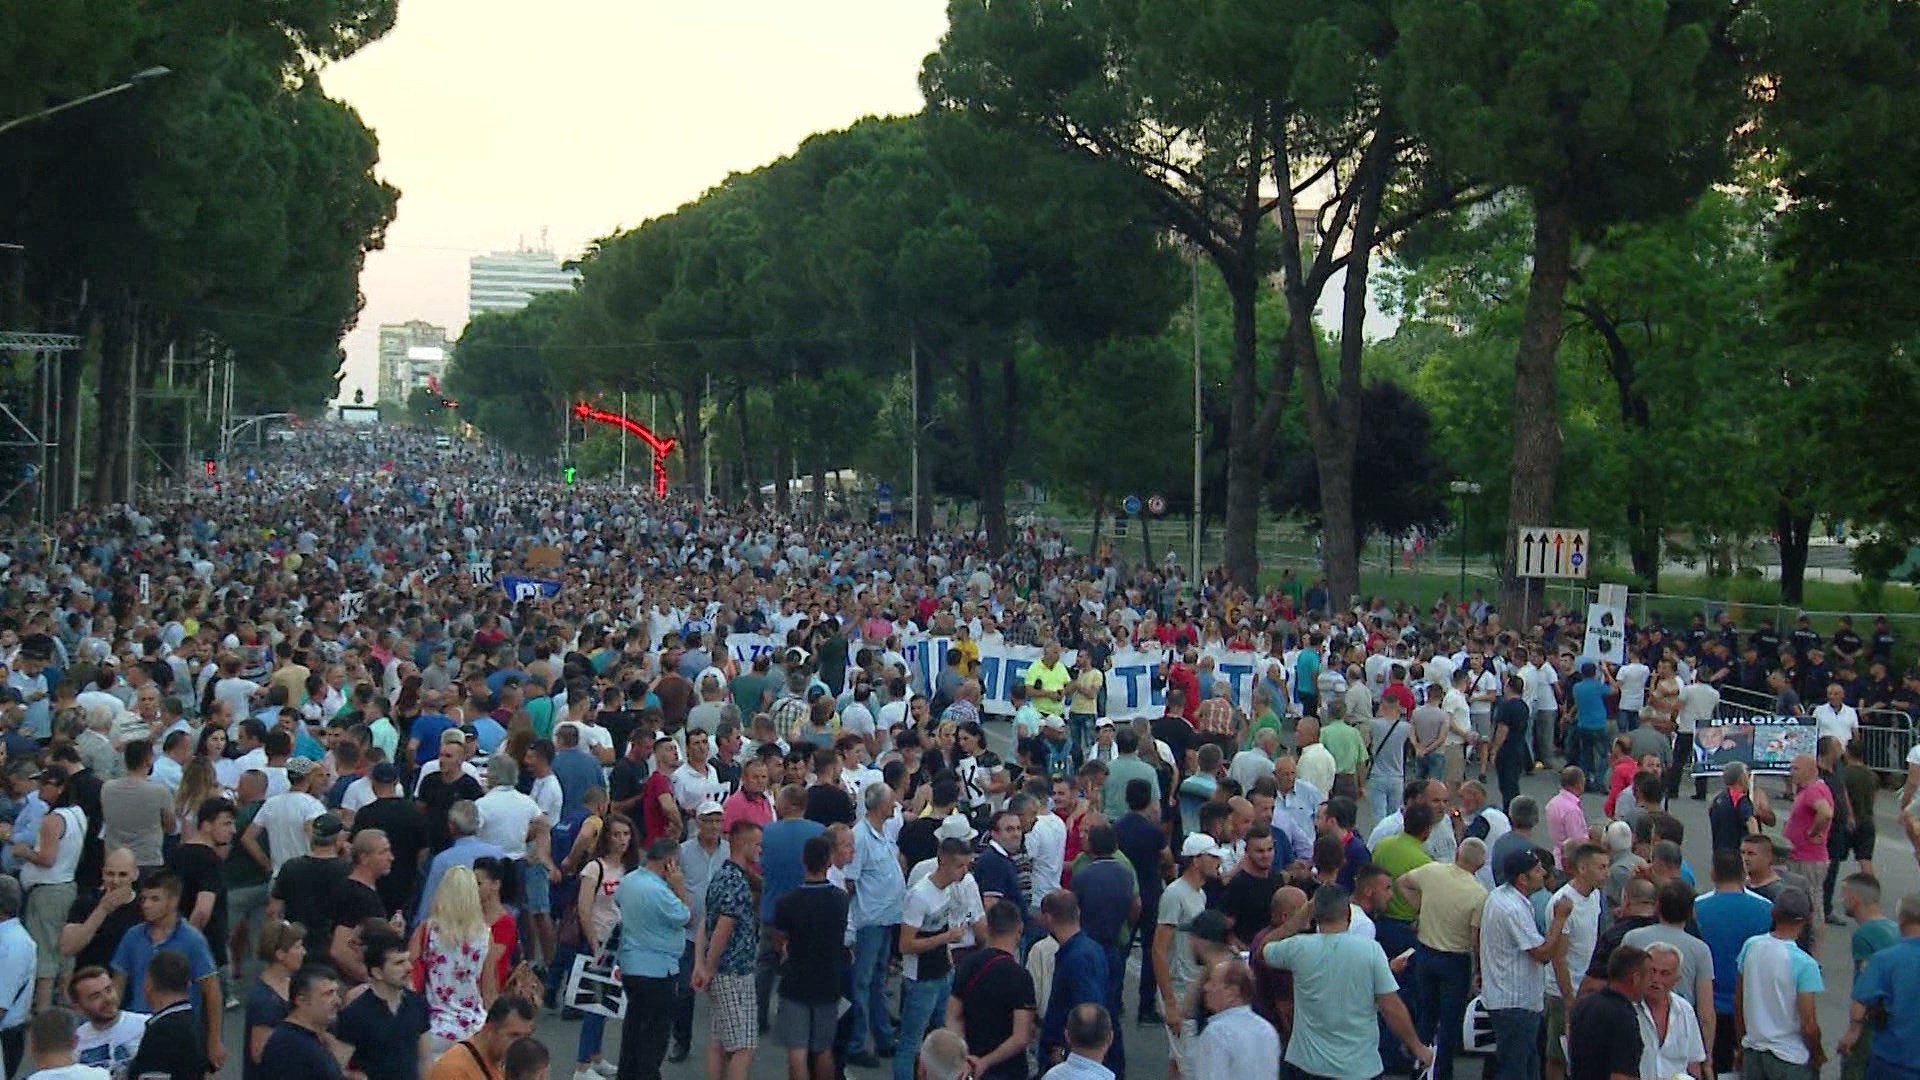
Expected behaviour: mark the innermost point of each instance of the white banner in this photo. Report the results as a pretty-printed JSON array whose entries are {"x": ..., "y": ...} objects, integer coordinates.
[{"x": 1130, "y": 678}]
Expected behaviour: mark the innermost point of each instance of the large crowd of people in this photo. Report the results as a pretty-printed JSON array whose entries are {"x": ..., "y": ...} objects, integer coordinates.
[{"x": 282, "y": 754}]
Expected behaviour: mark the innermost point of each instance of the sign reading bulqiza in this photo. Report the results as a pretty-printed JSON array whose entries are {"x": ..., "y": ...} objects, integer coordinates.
[
  {"x": 1765, "y": 744},
  {"x": 525, "y": 588}
]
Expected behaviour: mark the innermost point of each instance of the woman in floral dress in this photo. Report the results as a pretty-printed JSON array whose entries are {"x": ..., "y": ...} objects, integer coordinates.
[{"x": 454, "y": 960}]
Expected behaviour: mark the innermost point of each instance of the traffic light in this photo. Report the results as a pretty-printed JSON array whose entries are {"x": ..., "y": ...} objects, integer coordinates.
[
  {"x": 568, "y": 473},
  {"x": 209, "y": 465}
]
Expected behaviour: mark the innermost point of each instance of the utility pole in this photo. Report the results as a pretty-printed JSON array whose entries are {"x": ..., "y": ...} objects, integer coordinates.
[{"x": 623, "y": 444}]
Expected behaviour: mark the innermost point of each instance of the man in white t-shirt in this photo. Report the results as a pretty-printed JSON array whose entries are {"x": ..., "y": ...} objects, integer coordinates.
[
  {"x": 1587, "y": 867},
  {"x": 109, "y": 1037},
  {"x": 1835, "y": 717},
  {"x": 285, "y": 820},
  {"x": 1632, "y": 680},
  {"x": 1699, "y": 700},
  {"x": 696, "y": 780}
]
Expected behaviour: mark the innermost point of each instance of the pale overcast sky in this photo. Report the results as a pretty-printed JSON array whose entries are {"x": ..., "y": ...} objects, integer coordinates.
[{"x": 498, "y": 119}]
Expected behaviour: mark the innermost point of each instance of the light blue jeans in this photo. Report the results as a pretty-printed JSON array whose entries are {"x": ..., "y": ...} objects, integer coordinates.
[
  {"x": 870, "y": 991},
  {"x": 920, "y": 999},
  {"x": 1384, "y": 793}
]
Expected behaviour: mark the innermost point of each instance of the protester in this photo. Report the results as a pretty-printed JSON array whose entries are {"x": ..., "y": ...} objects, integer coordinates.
[{"x": 1341, "y": 983}]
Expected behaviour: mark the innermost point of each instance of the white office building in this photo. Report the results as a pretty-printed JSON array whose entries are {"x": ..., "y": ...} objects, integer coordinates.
[{"x": 506, "y": 280}]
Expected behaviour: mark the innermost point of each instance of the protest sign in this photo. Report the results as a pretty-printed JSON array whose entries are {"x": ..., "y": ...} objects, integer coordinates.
[
  {"x": 1766, "y": 744},
  {"x": 1134, "y": 686}
]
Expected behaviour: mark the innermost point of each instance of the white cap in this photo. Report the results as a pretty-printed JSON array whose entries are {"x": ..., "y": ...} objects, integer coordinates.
[
  {"x": 1054, "y": 723},
  {"x": 1201, "y": 844},
  {"x": 710, "y": 806},
  {"x": 1105, "y": 721}
]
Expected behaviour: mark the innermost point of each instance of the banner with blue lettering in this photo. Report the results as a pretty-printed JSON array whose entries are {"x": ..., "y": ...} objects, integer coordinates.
[
  {"x": 1130, "y": 678},
  {"x": 525, "y": 588}
]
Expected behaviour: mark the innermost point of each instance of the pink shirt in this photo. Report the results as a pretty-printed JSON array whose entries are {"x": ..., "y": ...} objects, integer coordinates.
[
  {"x": 741, "y": 806},
  {"x": 1566, "y": 823},
  {"x": 1809, "y": 842}
]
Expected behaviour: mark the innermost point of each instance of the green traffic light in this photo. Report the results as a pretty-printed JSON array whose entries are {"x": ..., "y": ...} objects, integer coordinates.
[{"x": 569, "y": 474}]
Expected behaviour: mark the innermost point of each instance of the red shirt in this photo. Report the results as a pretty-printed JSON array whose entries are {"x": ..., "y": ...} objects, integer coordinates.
[
  {"x": 1398, "y": 691},
  {"x": 1181, "y": 677},
  {"x": 654, "y": 822},
  {"x": 1619, "y": 779}
]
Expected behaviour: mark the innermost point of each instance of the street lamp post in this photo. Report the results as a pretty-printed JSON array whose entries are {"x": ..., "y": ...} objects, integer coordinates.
[
  {"x": 138, "y": 77},
  {"x": 1463, "y": 488}
]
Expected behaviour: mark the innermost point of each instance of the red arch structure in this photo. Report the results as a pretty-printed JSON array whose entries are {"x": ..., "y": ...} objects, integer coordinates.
[{"x": 660, "y": 447}]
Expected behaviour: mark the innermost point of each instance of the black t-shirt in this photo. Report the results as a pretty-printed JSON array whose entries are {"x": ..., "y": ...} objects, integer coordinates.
[
  {"x": 1727, "y": 821},
  {"x": 992, "y": 986},
  {"x": 1248, "y": 901},
  {"x": 298, "y": 1054},
  {"x": 439, "y": 795},
  {"x": 174, "y": 1045},
  {"x": 619, "y": 724},
  {"x": 354, "y": 903},
  {"x": 1610, "y": 939},
  {"x": 814, "y": 919},
  {"x": 1512, "y": 712},
  {"x": 406, "y": 831},
  {"x": 829, "y": 803},
  {"x": 1846, "y": 642},
  {"x": 1603, "y": 1037},
  {"x": 264, "y": 1008},
  {"x": 626, "y": 781},
  {"x": 305, "y": 886},
  {"x": 1177, "y": 734},
  {"x": 385, "y": 1041},
  {"x": 99, "y": 951},
  {"x": 199, "y": 867},
  {"x": 917, "y": 840}
]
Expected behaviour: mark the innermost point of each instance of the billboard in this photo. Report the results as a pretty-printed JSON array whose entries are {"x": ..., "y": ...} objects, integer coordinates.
[{"x": 360, "y": 414}]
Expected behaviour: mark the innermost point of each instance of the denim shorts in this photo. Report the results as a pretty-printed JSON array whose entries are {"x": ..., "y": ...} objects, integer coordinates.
[{"x": 535, "y": 896}]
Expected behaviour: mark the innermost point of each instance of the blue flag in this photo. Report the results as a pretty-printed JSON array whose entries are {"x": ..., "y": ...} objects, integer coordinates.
[{"x": 526, "y": 588}]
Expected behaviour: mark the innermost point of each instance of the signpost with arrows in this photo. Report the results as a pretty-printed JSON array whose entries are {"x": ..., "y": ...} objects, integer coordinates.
[{"x": 1548, "y": 551}]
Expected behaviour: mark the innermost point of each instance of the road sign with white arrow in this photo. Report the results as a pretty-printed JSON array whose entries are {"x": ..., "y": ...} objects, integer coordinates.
[{"x": 1549, "y": 551}]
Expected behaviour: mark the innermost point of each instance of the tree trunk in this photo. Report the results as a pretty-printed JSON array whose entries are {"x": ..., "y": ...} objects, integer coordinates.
[
  {"x": 746, "y": 449},
  {"x": 1099, "y": 519},
  {"x": 780, "y": 477},
  {"x": 692, "y": 436},
  {"x": 1146, "y": 539},
  {"x": 1536, "y": 421},
  {"x": 1795, "y": 525},
  {"x": 1333, "y": 424},
  {"x": 922, "y": 494},
  {"x": 992, "y": 445},
  {"x": 819, "y": 462},
  {"x": 1246, "y": 452},
  {"x": 114, "y": 384},
  {"x": 1643, "y": 517},
  {"x": 66, "y": 471}
]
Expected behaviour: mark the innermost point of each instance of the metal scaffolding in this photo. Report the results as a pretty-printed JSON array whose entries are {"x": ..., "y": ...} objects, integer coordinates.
[{"x": 38, "y": 429}]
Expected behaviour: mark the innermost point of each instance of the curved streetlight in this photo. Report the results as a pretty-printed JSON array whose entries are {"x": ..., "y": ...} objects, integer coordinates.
[{"x": 138, "y": 77}]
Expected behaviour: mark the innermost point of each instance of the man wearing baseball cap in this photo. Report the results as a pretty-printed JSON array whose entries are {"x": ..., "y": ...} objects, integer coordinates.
[
  {"x": 285, "y": 820},
  {"x": 1174, "y": 964},
  {"x": 406, "y": 829},
  {"x": 1513, "y": 963}
]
